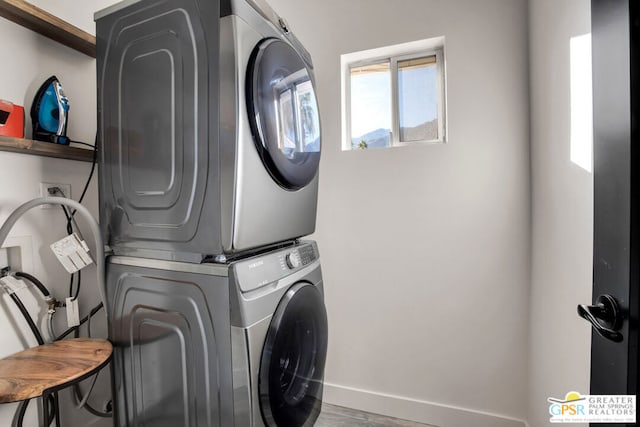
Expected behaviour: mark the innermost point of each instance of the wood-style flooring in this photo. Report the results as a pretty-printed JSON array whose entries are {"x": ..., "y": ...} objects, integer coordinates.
[{"x": 336, "y": 416}]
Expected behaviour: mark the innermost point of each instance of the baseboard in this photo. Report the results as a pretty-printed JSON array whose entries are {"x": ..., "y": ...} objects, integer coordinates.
[{"x": 433, "y": 414}]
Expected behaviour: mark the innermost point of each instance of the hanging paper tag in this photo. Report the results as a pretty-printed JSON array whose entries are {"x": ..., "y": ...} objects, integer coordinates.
[
  {"x": 72, "y": 253},
  {"x": 73, "y": 315}
]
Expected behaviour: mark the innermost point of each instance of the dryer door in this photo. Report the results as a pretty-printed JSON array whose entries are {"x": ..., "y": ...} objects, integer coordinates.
[
  {"x": 293, "y": 358},
  {"x": 283, "y": 113}
]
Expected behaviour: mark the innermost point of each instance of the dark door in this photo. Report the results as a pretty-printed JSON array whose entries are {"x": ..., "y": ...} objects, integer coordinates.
[
  {"x": 293, "y": 358},
  {"x": 283, "y": 113},
  {"x": 615, "y": 305}
]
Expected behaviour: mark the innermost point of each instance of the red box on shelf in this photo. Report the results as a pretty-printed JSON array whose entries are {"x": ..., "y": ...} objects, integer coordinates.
[{"x": 11, "y": 119}]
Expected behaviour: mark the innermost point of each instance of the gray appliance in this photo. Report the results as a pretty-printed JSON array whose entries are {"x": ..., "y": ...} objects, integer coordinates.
[
  {"x": 241, "y": 344},
  {"x": 208, "y": 126}
]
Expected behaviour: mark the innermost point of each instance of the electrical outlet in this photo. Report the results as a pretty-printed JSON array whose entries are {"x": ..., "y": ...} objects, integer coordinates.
[{"x": 51, "y": 189}]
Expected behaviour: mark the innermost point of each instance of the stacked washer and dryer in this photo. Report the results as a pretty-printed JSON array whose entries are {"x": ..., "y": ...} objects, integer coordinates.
[{"x": 209, "y": 149}]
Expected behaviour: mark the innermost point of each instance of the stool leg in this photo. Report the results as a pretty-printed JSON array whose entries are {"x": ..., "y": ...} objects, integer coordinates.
[
  {"x": 57, "y": 409},
  {"x": 45, "y": 409},
  {"x": 18, "y": 419},
  {"x": 44, "y": 404}
]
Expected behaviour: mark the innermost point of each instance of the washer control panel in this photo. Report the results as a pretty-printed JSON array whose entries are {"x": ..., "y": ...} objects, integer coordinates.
[{"x": 261, "y": 270}]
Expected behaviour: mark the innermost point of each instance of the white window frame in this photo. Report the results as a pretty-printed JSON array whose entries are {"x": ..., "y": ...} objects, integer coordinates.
[{"x": 394, "y": 54}]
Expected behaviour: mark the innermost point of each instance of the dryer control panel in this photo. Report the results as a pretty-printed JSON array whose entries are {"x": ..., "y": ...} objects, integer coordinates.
[
  {"x": 262, "y": 270},
  {"x": 300, "y": 257}
]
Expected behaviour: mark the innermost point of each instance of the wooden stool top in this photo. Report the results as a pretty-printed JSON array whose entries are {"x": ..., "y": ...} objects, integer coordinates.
[{"x": 31, "y": 372}]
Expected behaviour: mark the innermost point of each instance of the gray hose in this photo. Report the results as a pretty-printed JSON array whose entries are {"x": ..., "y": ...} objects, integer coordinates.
[
  {"x": 52, "y": 332},
  {"x": 93, "y": 225}
]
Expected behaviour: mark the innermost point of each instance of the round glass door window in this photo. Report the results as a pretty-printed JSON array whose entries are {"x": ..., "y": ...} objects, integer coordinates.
[
  {"x": 283, "y": 113},
  {"x": 293, "y": 359}
]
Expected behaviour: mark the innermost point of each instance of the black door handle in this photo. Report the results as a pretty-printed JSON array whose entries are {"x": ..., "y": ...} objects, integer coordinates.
[{"x": 605, "y": 316}]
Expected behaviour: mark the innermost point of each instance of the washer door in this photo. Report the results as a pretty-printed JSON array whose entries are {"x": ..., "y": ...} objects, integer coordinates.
[
  {"x": 283, "y": 113},
  {"x": 293, "y": 358}
]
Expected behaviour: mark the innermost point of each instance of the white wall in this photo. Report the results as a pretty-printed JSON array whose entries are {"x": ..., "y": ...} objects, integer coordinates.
[
  {"x": 425, "y": 249},
  {"x": 562, "y": 213},
  {"x": 28, "y": 59}
]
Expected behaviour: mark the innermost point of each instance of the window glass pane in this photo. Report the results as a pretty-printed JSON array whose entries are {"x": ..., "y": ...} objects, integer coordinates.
[
  {"x": 371, "y": 106},
  {"x": 418, "y": 99}
]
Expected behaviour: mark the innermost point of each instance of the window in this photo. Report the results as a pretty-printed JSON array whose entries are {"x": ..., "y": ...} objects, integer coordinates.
[{"x": 394, "y": 96}]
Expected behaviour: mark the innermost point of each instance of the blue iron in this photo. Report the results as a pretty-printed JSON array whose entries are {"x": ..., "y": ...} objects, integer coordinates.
[{"x": 50, "y": 112}]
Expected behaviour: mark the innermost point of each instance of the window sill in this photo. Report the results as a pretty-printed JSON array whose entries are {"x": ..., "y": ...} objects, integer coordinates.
[
  {"x": 47, "y": 149},
  {"x": 398, "y": 145}
]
